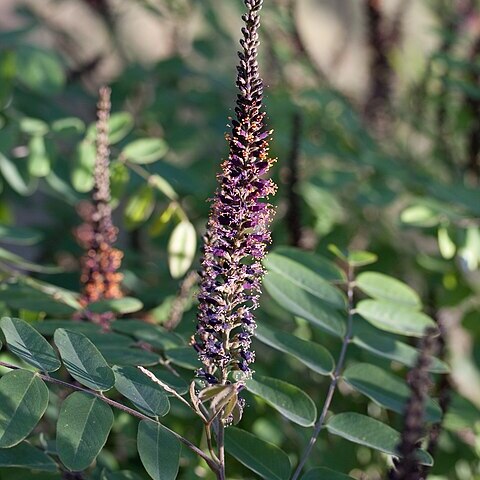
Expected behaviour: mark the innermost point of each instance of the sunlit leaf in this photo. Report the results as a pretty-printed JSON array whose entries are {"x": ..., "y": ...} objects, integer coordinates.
[
  {"x": 395, "y": 318},
  {"x": 320, "y": 265},
  {"x": 385, "y": 389},
  {"x": 82, "y": 168},
  {"x": 302, "y": 303},
  {"x": 311, "y": 354},
  {"x": 33, "y": 126},
  {"x": 287, "y": 399},
  {"x": 383, "y": 287},
  {"x": 146, "y": 395},
  {"x": 301, "y": 276},
  {"x": 387, "y": 347},
  {"x": 25, "y": 342},
  {"x": 371, "y": 433},
  {"x": 139, "y": 207},
  {"x": 182, "y": 247},
  {"x": 122, "y": 305},
  {"x": 145, "y": 150},
  {"x": 445, "y": 243},
  {"x": 38, "y": 159},
  {"x": 83, "y": 360}
]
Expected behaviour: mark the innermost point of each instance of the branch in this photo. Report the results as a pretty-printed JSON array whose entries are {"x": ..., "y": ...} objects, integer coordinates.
[{"x": 213, "y": 465}]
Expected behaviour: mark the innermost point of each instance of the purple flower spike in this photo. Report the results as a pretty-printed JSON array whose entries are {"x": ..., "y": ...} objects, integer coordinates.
[{"x": 238, "y": 227}]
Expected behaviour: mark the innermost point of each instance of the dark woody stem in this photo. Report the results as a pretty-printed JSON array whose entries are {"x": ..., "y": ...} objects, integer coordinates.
[
  {"x": 47, "y": 378},
  {"x": 335, "y": 377},
  {"x": 293, "y": 214}
]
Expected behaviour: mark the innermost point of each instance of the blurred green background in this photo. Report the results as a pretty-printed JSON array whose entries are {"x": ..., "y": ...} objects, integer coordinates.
[{"x": 375, "y": 109}]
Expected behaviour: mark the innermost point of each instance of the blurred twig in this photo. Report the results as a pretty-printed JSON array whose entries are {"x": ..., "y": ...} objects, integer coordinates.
[
  {"x": 293, "y": 215},
  {"x": 178, "y": 305},
  {"x": 473, "y": 105}
]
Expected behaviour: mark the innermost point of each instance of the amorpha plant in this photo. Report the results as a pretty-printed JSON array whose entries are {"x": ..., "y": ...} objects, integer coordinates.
[{"x": 337, "y": 370}]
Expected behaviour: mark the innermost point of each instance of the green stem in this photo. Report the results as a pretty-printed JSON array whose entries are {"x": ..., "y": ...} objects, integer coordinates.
[
  {"x": 221, "y": 449},
  {"x": 335, "y": 377}
]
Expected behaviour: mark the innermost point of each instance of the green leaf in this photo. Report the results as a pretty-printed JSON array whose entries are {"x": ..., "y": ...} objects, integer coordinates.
[
  {"x": 171, "y": 380},
  {"x": 33, "y": 126},
  {"x": 19, "y": 235},
  {"x": 25, "y": 342},
  {"x": 119, "y": 178},
  {"x": 159, "y": 450},
  {"x": 83, "y": 425},
  {"x": 303, "y": 277},
  {"x": 40, "y": 70},
  {"x": 84, "y": 162},
  {"x": 320, "y": 265},
  {"x": 117, "y": 305},
  {"x": 300, "y": 302},
  {"x": 383, "y": 287},
  {"x": 10, "y": 173},
  {"x": 287, "y": 399},
  {"x": 420, "y": 216},
  {"x": 24, "y": 401},
  {"x": 145, "y": 150},
  {"x": 24, "y": 455},
  {"x": 185, "y": 357},
  {"x": 182, "y": 247},
  {"x": 83, "y": 360},
  {"x": 60, "y": 189},
  {"x": 20, "y": 262},
  {"x": 371, "y": 433},
  {"x": 325, "y": 474},
  {"x": 38, "y": 160},
  {"x": 39, "y": 296},
  {"x": 385, "y": 389},
  {"x": 360, "y": 258},
  {"x": 139, "y": 207},
  {"x": 263, "y": 458},
  {"x": 68, "y": 125},
  {"x": 48, "y": 327},
  {"x": 155, "y": 335},
  {"x": 144, "y": 393},
  {"x": 119, "y": 125},
  {"x": 128, "y": 356},
  {"x": 445, "y": 243},
  {"x": 7, "y": 74},
  {"x": 395, "y": 318},
  {"x": 162, "y": 185},
  {"x": 311, "y": 354},
  {"x": 109, "y": 339},
  {"x": 387, "y": 347}
]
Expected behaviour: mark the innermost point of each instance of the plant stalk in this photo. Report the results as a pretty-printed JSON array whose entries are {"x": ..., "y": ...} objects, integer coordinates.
[{"x": 335, "y": 377}]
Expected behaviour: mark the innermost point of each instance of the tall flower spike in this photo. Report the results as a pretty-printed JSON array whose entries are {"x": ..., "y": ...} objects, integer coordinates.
[
  {"x": 407, "y": 467},
  {"x": 100, "y": 278},
  {"x": 238, "y": 227}
]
